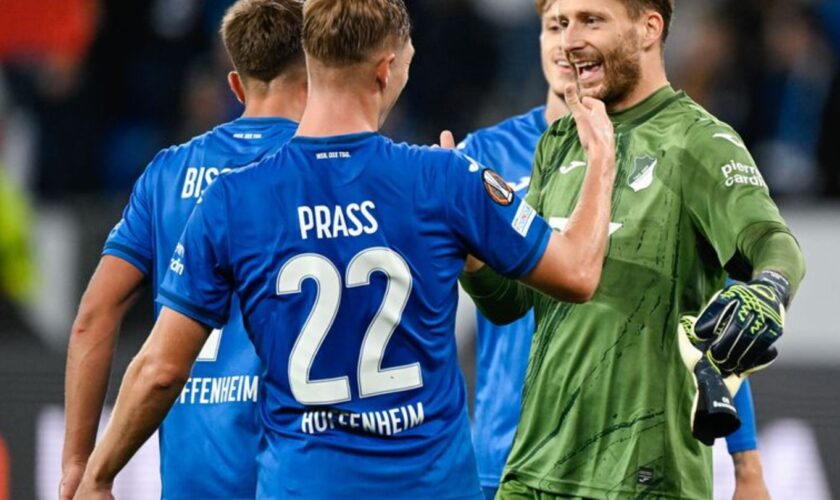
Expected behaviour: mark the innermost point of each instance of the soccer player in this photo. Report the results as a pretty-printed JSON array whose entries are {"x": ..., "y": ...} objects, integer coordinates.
[
  {"x": 502, "y": 350},
  {"x": 344, "y": 250},
  {"x": 606, "y": 406},
  {"x": 210, "y": 438}
]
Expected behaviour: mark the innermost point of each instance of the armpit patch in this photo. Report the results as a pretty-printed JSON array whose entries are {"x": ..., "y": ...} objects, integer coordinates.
[{"x": 499, "y": 190}]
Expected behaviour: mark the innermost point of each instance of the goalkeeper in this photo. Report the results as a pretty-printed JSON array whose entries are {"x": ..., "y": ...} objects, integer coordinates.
[{"x": 607, "y": 402}]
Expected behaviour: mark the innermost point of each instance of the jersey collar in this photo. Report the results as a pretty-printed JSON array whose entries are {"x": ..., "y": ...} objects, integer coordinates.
[
  {"x": 336, "y": 139},
  {"x": 642, "y": 112}
]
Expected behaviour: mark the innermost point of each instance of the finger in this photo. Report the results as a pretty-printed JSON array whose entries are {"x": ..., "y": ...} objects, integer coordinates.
[
  {"x": 572, "y": 97},
  {"x": 447, "y": 140},
  {"x": 593, "y": 104}
]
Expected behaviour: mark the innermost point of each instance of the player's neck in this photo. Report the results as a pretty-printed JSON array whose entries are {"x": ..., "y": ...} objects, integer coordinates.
[
  {"x": 555, "y": 108},
  {"x": 652, "y": 79},
  {"x": 280, "y": 100},
  {"x": 331, "y": 112}
]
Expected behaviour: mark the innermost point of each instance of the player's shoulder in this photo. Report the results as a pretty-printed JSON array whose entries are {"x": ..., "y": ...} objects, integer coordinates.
[
  {"x": 422, "y": 156},
  {"x": 698, "y": 128},
  {"x": 529, "y": 123},
  {"x": 176, "y": 156}
]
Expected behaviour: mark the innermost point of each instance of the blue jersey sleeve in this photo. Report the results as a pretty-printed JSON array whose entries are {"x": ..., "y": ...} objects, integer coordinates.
[
  {"x": 131, "y": 239},
  {"x": 197, "y": 283},
  {"x": 744, "y": 439},
  {"x": 497, "y": 226}
]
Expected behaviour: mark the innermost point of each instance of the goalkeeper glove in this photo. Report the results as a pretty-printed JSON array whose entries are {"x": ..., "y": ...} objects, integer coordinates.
[
  {"x": 713, "y": 413},
  {"x": 742, "y": 322}
]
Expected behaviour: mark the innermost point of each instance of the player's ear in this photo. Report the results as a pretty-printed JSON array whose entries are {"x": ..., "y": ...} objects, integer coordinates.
[
  {"x": 383, "y": 69},
  {"x": 237, "y": 86},
  {"x": 652, "y": 29}
]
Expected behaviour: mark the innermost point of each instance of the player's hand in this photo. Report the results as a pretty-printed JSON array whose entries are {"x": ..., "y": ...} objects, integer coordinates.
[
  {"x": 71, "y": 476},
  {"x": 594, "y": 127},
  {"x": 91, "y": 490},
  {"x": 742, "y": 322},
  {"x": 749, "y": 479},
  {"x": 447, "y": 140}
]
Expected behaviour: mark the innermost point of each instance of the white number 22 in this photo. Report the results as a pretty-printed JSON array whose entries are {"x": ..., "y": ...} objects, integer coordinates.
[{"x": 373, "y": 380}]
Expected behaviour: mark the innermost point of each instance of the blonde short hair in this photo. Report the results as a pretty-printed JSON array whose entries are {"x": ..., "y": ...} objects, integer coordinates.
[{"x": 345, "y": 32}]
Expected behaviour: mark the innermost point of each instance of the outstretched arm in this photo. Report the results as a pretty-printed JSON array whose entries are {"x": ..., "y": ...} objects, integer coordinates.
[
  {"x": 151, "y": 385},
  {"x": 112, "y": 291}
]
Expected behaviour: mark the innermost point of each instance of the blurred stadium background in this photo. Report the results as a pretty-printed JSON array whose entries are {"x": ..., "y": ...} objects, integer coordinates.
[{"x": 91, "y": 89}]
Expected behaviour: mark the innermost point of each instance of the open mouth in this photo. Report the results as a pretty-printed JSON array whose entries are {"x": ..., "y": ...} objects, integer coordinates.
[
  {"x": 588, "y": 70},
  {"x": 564, "y": 66}
]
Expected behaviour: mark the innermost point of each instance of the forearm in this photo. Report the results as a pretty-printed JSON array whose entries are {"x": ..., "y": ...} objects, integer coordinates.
[
  {"x": 112, "y": 291},
  {"x": 89, "y": 357},
  {"x": 499, "y": 299},
  {"x": 148, "y": 391}
]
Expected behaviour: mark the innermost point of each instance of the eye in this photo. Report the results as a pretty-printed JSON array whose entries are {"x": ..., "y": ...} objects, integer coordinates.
[
  {"x": 564, "y": 23},
  {"x": 593, "y": 21}
]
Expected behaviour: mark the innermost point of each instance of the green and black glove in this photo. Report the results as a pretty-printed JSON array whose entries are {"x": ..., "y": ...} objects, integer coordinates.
[{"x": 742, "y": 322}]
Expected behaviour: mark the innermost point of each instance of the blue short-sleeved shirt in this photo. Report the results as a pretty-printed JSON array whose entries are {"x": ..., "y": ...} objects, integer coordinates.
[
  {"x": 209, "y": 439},
  {"x": 344, "y": 253}
]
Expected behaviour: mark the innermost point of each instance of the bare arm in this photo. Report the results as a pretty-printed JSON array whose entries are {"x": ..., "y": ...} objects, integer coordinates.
[
  {"x": 112, "y": 291},
  {"x": 749, "y": 478},
  {"x": 151, "y": 384},
  {"x": 570, "y": 268}
]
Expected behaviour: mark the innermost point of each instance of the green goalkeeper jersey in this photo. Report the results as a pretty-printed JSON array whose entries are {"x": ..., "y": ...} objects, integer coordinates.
[{"x": 606, "y": 407}]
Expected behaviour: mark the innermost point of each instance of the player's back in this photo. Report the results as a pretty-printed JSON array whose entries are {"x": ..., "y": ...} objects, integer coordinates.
[
  {"x": 345, "y": 252},
  {"x": 213, "y": 425}
]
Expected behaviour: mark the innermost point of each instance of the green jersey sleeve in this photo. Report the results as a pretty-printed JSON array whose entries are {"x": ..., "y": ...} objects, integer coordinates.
[{"x": 725, "y": 194}]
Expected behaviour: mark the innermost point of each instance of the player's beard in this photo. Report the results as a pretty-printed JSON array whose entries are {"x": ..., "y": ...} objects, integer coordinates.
[{"x": 622, "y": 70}]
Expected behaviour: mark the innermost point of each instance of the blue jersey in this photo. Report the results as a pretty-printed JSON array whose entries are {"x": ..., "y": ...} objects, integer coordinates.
[
  {"x": 502, "y": 351},
  {"x": 345, "y": 254},
  {"x": 209, "y": 439}
]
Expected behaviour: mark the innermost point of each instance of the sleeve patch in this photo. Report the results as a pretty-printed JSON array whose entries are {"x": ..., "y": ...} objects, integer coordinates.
[
  {"x": 498, "y": 190},
  {"x": 523, "y": 219}
]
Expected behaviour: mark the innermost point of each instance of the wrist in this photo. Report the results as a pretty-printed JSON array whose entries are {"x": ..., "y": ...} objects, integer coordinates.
[
  {"x": 74, "y": 461},
  {"x": 747, "y": 465},
  {"x": 775, "y": 281}
]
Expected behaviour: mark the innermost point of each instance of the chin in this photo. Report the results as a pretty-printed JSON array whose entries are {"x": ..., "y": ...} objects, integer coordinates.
[{"x": 596, "y": 91}]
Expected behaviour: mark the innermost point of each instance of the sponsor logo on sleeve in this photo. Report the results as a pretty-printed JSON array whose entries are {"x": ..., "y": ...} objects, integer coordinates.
[
  {"x": 496, "y": 187},
  {"x": 641, "y": 177},
  {"x": 735, "y": 172},
  {"x": 176, "y": 264},
  {"x": 523, "y": 219}
]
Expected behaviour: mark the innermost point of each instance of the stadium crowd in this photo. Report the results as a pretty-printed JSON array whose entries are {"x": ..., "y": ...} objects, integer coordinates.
[{"x": 84, "y": 107}]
